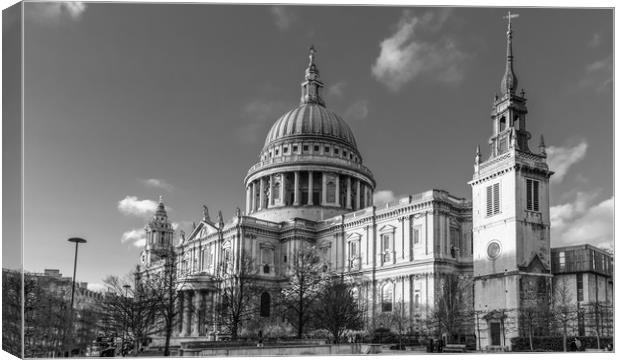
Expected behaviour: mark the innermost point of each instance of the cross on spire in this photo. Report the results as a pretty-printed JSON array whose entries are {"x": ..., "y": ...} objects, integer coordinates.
[{"x": 509, "y": 17}]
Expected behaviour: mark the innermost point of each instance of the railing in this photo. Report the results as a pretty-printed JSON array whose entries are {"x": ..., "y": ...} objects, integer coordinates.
[{"x": 308, "y": 158}]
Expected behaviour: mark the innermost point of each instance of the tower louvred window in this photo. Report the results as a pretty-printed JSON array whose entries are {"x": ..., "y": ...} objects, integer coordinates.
[
  {"x": 532, "y": 195},
  {"x": 493, "y": 199}
]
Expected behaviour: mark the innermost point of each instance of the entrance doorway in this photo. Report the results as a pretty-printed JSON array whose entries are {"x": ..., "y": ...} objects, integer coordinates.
[{"x": 495, "y": 334}]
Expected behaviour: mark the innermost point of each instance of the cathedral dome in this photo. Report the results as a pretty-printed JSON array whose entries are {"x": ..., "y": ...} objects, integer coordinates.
[
  {"x": 310, "y": 166},
  {"x": 310, "y": 120}
]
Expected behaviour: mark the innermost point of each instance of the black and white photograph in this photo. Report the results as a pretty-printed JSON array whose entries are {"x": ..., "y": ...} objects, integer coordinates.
[{"x": 250, "y": 179}]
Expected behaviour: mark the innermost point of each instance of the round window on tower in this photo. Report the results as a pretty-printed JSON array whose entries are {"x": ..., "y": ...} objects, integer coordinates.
[{"x": 494, "y": 249}]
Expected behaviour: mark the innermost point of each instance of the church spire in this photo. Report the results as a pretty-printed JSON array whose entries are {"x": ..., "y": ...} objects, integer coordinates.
[
  {"x": 509, "y": 80},
  {"x": 310, "y": 89}
]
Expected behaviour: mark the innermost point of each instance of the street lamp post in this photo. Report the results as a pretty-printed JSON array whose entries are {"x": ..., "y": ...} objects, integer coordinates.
[
  {"x": 77, "y": 241},
  {"x": 126, "y": 287}
]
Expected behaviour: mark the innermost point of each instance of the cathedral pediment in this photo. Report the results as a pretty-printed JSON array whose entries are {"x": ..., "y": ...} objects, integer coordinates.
[{"x": 203, "y": 230}]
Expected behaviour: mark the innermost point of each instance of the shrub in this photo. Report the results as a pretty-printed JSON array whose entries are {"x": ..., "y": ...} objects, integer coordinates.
[{"x": 555, "y": 343}]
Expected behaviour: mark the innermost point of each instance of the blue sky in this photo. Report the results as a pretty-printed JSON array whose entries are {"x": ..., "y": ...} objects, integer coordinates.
[{"x": 126, "y": 102}]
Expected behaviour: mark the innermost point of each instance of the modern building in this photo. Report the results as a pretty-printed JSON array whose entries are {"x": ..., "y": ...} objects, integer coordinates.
[
  {"x": 309, "y": 186},
  {"x": 585, "y": 274}
]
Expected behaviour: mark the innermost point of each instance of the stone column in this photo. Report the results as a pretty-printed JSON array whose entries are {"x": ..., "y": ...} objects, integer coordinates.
[
  {"x": 296, "y": 202},
  {"x": 179, "y": 315},
  {"x": 261, "y": 196},
  {"x": 271, "y": 202},
  {"x": 202, "y": 310},
  {"x": 358, "y": 194},
  {"x": 338, "y": 189},
  {"x": 324, "y": 189},
  {"x": 248, "y": 198},
  {"x": 310, "y": 187},
  {"x": 282, "y": 187},
  {"x": 195, "y": 312},
  {"x": 252, "y": 197},
  {"x": 348, "y": 192},
  {"x": 186, "y": 314}
]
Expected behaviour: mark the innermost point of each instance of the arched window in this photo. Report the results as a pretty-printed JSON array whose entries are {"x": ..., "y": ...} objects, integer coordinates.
[
  {"x": 387, "y": 297},
  {"x": 416, "y": 300},
  {"x": 331, "y": 192},
  {"x": 265, "y": 304}
]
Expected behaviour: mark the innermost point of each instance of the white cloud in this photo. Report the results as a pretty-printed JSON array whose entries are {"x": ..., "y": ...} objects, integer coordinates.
[
  {"x": 560, "y": 159},
  {"x": 603, "y": 64},
  {"x": 357, "y": 110},
  {"x": 130, "y": 205},
  {"x": 335, "y": 90},
  {"x": 157, "y": 183},
  {"x": 284, "y": 16},
  {"x": 598, "y": 75},
  {"x": 55, "y": 11},
  {"x": 139, "y": 243},
  {"x": 382, "y": 197},
  {"x": 132, "y": 235},
  {"x": 583, "y": 221},
  {"x": 97, "y": 287},
  {"x": 136, "y": 237},
  {"x": 405, "y": 55},
  {"x": 595, "y": 41}
]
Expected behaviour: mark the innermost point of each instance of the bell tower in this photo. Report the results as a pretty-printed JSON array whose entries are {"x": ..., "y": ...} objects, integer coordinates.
[
  {"x": 159, "y": 234},
  {"x": 510, "y": 215}
]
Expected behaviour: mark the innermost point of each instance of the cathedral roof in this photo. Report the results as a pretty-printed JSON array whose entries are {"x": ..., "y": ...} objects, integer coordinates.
[
  {"x": 311, "y": 117},
  {"x": 311, "y": 120}
]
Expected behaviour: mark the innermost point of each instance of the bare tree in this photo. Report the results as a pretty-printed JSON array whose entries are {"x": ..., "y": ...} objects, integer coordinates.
[
  {"x": 129, "y": 308},
  {"x": 563, "y": 309},
  {"x": 337, "y": 309},
  {"x": 534, "y": 311},
  {"x": 306, "y": 277},
  {"x": 452, "y": 306},
  {"x": 12, "y": 312},
  {"x": 163, "y": 286},
  {"x": 237, "y": 294},
  {"x": 397, "y": 321}
]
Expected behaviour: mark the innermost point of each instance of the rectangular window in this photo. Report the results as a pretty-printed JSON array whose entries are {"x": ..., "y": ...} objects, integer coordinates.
[
  {"x": 326, "y": 150},
  {"x": 493, "y": 199},
  {"x": 386, "y": 245},
  {"x": 295, "y": 148},
  {"x": 579, "y": 287},
  {"x": 336, "y": 151},
  {"x": 532, "y": 194},
  {"x": 305, "y": 148},
  {"x": 285, "y": 150},
  {"x": 316, "y": 148},
  {"x": 353, "y": 249},
  {"x": 562, "y": 260},
  {"x": 416, "y": 236}
]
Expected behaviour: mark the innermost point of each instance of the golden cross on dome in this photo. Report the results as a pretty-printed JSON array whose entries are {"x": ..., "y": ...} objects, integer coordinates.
[{"x": 509, "y": 17}]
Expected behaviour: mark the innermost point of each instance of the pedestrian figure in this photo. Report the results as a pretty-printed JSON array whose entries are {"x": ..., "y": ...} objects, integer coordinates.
[{"x": 577, "y": 344}]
